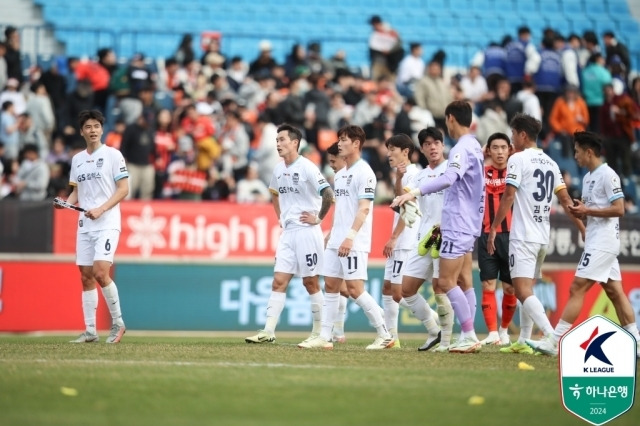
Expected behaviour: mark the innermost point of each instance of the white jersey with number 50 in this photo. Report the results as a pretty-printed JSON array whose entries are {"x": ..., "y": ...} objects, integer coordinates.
[
  {"x": 600, "y": 188},
  {"x": 536, "y": 177},
  {"x": 298, "y": 187},
  {"x": 351, "y": 185},
  {"x": 95, "y": 176}
]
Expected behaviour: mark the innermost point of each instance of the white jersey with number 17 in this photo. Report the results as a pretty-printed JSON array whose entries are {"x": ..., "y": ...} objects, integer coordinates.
[
  {"x": 536, "y": 177},
  {"x": 351, "y": 185}
]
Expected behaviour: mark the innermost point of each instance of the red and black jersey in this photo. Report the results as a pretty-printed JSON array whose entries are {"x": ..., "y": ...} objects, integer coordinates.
[{"x": 495, "y": 181}]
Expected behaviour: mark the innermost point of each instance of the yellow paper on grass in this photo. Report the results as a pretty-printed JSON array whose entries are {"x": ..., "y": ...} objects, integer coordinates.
[
  {"x": 476, "y": 400},
  {"x": 525, "y": 366},
  {"x": 69, "y": 391}
]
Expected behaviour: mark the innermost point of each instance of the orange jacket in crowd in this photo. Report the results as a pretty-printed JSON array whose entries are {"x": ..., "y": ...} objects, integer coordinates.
[{"x": 565, "y": 118}]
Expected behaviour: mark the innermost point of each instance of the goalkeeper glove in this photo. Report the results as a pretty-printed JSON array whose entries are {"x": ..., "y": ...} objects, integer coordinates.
[
  {"x": 431, "y": 242},
  {"x": 410, "y": 212}
]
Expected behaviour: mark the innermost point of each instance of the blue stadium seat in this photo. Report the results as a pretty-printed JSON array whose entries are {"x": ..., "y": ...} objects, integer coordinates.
[
  {"x": 580, "y": 24},
  {"x": 618, "y": 8},
  {"x": 549, "y": 7},
  {"x": 596, "y": 10},
  {"x": 572, "y": 8},
  {"x": 524, "y": 8}
]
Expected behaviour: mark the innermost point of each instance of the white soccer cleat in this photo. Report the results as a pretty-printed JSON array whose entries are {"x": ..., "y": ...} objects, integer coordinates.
[
  {"x": 492, "y": 339},
  {"x": 316, "y": 342},
  {"x": 261, "y": 337},
  {"x": 86, "y": 337},
  {"x": 546, "y": 346},
  {"x": 339, "y": 338},
  {"x": 117, "y": 331},
  {"x": 381, "y": 343},
  {"x": 467, "y": 345},
  {"x": 311, "y": 337},
  {"x": 431, "y": 342},
  {"x": 504, "y": 339},
  {"x": 441, "y": 348}
]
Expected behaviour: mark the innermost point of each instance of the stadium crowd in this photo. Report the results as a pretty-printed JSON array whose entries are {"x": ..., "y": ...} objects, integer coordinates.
[{"x": 203, "y": 126}]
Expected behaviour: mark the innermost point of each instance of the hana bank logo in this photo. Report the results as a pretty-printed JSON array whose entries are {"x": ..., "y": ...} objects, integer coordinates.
[{"x": 593, "y": 349}]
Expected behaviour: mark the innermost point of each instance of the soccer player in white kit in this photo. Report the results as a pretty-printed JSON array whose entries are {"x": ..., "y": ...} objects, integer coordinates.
[
  {"x": 299, "y": 191},
  {"x": 602, "y": 204},
  {"x": 100, "y": 181},
  {"x": 427, "y": 267},
  {"x": 532, "y": 179},
  {"x": 402, "y": 241},
  {"x": 347, "y": 251}
]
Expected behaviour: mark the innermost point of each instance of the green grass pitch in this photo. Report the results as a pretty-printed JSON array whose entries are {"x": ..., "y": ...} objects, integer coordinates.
[{"x": 224, "y": 381}]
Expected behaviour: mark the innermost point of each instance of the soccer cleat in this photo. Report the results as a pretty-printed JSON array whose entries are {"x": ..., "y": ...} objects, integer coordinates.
[
  {"x": 261, "y": 337},
  {"x": 545, "y": 346},
  {"x": 466, "y": 346},
  {"x": 431, "y": 342},
  {"x": 311, "y": 337},
  {"x": 441, "y": 348},
  {"x": 86, "y": 337},
  {"x": 517, "y": 348},
  {"x": 117, "y": 331},
  {"x": 396, "y": 344},
  {"x": 381, "y": 343},
  {"x": 316, "y": 342},
  {"x": 504, "y": 339},
  {"x": 429, "y": 241},
  {"x": 339, "y": 339},
  {"x": 492, "y": 339}
]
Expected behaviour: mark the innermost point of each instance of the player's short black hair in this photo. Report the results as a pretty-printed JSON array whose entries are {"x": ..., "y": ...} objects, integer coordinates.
[
  {"x": 401, "y": 141},
  {"x": 31, "y": 147},
  {"x": 461, "y": 111},
  {"x": 353, "y": 133},
  {"x": 589, "y": 140},
  {"x": 498, "y": 136},
  {"x": 90, "y": 114},
  {"x": 294, "y": 132},
  {"x": 333, "y": 149},
  {"x": 432, "y": 132},
  {"x": 526, "y": 123}
]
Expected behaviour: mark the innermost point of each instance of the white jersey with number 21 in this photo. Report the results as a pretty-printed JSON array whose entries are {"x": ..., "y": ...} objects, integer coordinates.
[{"x": 537, "y": 178}]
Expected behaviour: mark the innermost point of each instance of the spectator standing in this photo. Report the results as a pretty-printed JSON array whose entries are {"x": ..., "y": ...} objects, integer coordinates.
[
  {"x": 251, "y": 189},
  {"x": 9, "y": 134},
  {"x": 410, "y": 70},
  {"x": 594, "y": 78},
  {"x": 614, "y": 48},
  {"x": 616, "y": 118},
  {"x": 264, "y": 62},
  {"x": 385, "y": 48},
  {"x": 138, "y": 149},
  {"x": 12, "y": 55},
  {"x": 12, "y": 93},
  {"x": 3, "y": 65},
  {"x": 32, "y": 178},
  {"x": 522, "y": 60},
  {"x": 433, "y": 93},
  {"x": 568, "y": 115},
  {"x": 185, "y": 54}
]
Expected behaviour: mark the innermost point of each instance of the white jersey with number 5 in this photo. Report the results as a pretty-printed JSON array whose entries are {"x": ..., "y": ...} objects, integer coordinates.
[
  {"x": 536, "y": 177},
  {"x": 298, "y": 187},
  {"x": 95, "y": 176},
  {"x": 407, "y": 239},
  {"x": 351, "y": 185},
  {"x": 600, "y": 188},
  {"x": 430, "y": 204}
]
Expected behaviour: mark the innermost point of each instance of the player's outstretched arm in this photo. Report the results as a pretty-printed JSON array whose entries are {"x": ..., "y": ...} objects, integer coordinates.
[
  {"x": 506, "y": 201},
  {"x": 616, "y": 209},
  {"x": 440, "y": 183}
]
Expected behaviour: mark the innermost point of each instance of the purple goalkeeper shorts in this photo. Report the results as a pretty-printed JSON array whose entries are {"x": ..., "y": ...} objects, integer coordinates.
[{"x": 456, "y": 244}]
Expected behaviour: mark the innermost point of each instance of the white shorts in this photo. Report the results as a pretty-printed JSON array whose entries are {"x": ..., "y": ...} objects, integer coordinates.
[
  {"x": 352, "y": 267},
  {"x": 525, "y": 259},
  {"x": 96, "y": 245},
  {"x": 394, "y": 269},
  {"x": 598, "y": 265},
  {"x": 423, "y": 267},
  {"x": 300, "y": 251}
]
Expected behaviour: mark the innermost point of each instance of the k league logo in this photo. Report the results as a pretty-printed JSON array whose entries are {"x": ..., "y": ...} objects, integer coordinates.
[{"x": 598, "y": 370}]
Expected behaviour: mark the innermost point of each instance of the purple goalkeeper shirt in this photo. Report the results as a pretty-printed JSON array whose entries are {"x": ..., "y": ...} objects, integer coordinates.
[{"x": 463, "y": 207}]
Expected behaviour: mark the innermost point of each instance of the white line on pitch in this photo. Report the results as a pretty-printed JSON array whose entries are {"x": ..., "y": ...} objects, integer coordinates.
[{"x": 170, "y": 363}]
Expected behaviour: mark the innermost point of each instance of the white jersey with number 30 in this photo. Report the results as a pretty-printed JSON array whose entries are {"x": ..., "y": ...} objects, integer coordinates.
[
  {"x": 95, "y": 176},
  {"x": 600, "y": 188},
  {"x": 298, "y": 187},
  {"x": 536, "y": 177},
  {"x": 351, "y": 185}
]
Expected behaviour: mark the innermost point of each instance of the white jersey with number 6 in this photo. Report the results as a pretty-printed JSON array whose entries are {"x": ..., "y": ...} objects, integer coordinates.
[
  {"x": 407, "y": 238},
  {"x": 600, "y": 188},
  {"x": 536, "y": 177},
  {"x": 351, "y": 185},
  {"x": 298, "y": 187},
  {"x": 95, "y": 176}
]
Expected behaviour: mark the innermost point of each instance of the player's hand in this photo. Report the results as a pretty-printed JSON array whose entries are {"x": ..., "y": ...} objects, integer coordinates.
[
  {"x": 401, "y": 170},
  {"x": 578, "y": 209},
  {"x": 57, "y": 206},
  {"x": 388, "y": 248},
  {"x": 309, "y": 218},
  {"x": 345, "y": 248},
  {"x": 402, "y": 199},
  {"x": 491, "y": 242},
  {"x": 95, "y": 213}
]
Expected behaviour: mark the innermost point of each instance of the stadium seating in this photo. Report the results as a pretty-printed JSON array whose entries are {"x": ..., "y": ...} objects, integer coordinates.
[{"x": 456, "y": 25}]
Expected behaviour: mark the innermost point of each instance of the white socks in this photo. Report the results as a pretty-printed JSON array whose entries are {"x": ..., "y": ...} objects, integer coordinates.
[
  {"x": 560, "y": 330},
  {"x": 110, "y": 294},
  {"x": 445, "y": 315},
  {"x": 317, "y": 300},
  {"x": 536, "y": 311},
  {"x": 526, "y": 326},
  {"x": 391, "y": 310},
  {"x": 338, "y": 325},
  {"x": 633, "y": 329},
  {"x": 274, "y": 309},
  {"x": 372, "y": 311},
  {"x": 329, "y": 314},
  {"x": 89, "y": 307},
  {"x": 422, "y": 311}
]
